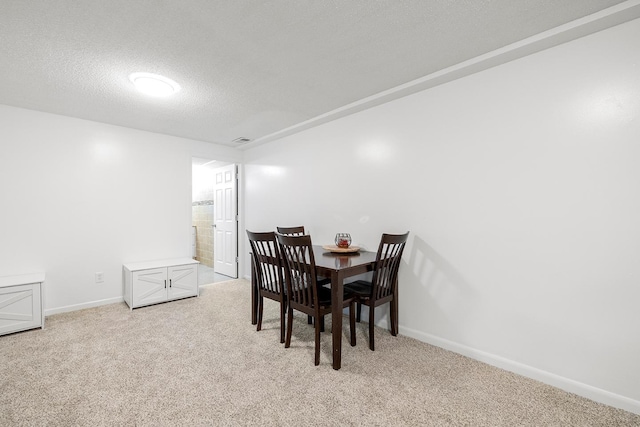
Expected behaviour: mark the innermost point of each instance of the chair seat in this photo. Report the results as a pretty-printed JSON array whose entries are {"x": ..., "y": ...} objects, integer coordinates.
[
  {"x": 323, "y": 281},
  {"x": 324, "y": 296},
  {"x": 360, "y": 288}
]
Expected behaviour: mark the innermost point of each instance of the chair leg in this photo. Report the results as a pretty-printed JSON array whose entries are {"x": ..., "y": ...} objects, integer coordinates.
[
  {"x": 372, "y": 312},
  {"x": 352, "y": 323},
  {"x": 289, "y": 325},
  {"x": 282, "y": 323},
  {"x": 260, "y": 305},
  {"x": 321, "y": 321},
  {"x": 359, "y": 312},
  {"x": 317, "y": 328},
  {"x": 394, "y": 317}
]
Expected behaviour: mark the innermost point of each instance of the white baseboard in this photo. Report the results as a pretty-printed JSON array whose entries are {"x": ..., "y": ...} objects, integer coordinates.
[
  {"x": 566, "y": 384},
  {"x": 82, "y": 306}
]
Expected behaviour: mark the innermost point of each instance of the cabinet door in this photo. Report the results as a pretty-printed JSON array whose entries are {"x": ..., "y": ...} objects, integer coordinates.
[
  {"x": 149, "y": 286},
  {"x": 183, "y": 281},
  {"x": 20, "y": 308}
]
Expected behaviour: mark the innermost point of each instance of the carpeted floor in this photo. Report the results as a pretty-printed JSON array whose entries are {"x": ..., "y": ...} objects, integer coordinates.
[{"x": 199, "y": 361}]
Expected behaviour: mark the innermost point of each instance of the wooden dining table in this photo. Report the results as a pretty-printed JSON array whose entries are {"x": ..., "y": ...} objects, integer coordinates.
[{"x": 337, "y": 267}]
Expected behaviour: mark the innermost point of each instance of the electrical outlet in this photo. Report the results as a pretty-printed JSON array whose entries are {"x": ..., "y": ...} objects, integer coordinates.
[{"x": 99, "y": 277}]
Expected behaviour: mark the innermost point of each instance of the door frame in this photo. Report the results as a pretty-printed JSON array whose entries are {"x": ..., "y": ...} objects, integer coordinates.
[
  {"x": 213, "y": 164},
  {"x": 226, "y": 220}
]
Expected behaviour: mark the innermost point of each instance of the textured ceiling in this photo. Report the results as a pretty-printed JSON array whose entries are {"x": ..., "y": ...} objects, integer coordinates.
[{"x": 250, "y": 68}]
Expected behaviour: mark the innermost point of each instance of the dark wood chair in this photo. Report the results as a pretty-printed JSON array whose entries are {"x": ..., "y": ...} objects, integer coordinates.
[
  {"x": 269, "y": 269},
  {"x": 291, "y": 231},
  {"x": 303, "y": 291},
  {"x": 383, "y": 287},
  {"x": 299, "y": 231},
  {"x": 322, "y": 281}
]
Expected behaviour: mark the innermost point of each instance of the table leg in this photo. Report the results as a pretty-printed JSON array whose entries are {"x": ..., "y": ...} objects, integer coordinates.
[{"x": 337, "y": 292}]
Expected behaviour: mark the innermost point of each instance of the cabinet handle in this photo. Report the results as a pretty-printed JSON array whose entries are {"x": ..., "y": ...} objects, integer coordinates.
[
  {"x": 170, "y": 282},
  {"x": 165, "y": 283}
]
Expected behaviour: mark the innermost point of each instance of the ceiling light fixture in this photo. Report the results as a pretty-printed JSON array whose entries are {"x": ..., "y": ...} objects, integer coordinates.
[
  {"x": 154, "y": 84},
  {"x": 241, "y": 140}
]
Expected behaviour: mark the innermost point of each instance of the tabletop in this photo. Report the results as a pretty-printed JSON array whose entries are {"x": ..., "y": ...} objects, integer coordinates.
[{"x": 341, "y": 261}]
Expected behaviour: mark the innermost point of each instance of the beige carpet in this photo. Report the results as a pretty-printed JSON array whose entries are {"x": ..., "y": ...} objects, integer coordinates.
[{"x": 199, "y": 361}]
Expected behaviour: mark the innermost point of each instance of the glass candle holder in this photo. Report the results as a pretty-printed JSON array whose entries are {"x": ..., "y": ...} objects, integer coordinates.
[{"x": 343, "y": 240}]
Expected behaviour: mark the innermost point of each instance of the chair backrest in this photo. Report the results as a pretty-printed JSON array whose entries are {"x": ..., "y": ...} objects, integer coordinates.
[
  {"x": 267, "y": 261},
  {"x": 385, "y": 274},
  {"x": 291, "y": 231},
  {"x": 300, "y": 269}
]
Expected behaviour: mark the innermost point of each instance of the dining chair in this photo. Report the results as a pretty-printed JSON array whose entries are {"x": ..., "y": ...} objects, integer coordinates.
[
  {"x": 303, "y": 291},
  {"x": 268, "y": 268},
  {"x": 299, "y": 231},
  {"x": 322, "y": 281},
  {"x": 291, "y": 231},
  {"x": 383, "y": 287}
]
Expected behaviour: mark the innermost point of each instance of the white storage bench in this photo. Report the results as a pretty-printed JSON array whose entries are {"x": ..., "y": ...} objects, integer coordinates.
[
  {"x": 152, "y": 282},
  {"x": 21, "y": 303}
]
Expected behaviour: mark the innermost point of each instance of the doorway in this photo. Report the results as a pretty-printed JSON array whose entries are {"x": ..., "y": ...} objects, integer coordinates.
[{"x": 203, "y": 221}]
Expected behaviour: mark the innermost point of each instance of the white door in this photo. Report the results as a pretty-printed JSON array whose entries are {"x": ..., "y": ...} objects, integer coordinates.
[{"x": 225, "y": 221}]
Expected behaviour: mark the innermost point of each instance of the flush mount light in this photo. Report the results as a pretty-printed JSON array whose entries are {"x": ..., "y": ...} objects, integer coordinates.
[
  {"x": 154, "y": 84},
  {"x": 241, "y": 140}
]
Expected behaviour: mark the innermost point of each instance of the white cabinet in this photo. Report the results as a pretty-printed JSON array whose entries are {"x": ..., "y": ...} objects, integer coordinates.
[
  {"x": 152, "y": 282},
  {"x": 21, "y": 303}
]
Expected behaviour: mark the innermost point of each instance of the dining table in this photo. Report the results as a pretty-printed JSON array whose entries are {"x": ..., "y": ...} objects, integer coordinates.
[{"x": 337, "y": 266}]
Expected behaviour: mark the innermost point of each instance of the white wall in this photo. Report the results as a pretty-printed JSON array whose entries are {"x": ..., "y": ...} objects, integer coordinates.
[
  {"x": 521, "y": 188},
  {"x": 80, "y": 197}
]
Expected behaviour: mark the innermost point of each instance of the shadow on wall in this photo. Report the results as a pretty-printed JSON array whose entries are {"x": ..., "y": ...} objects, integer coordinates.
[{"x": 432, "y": 290}]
